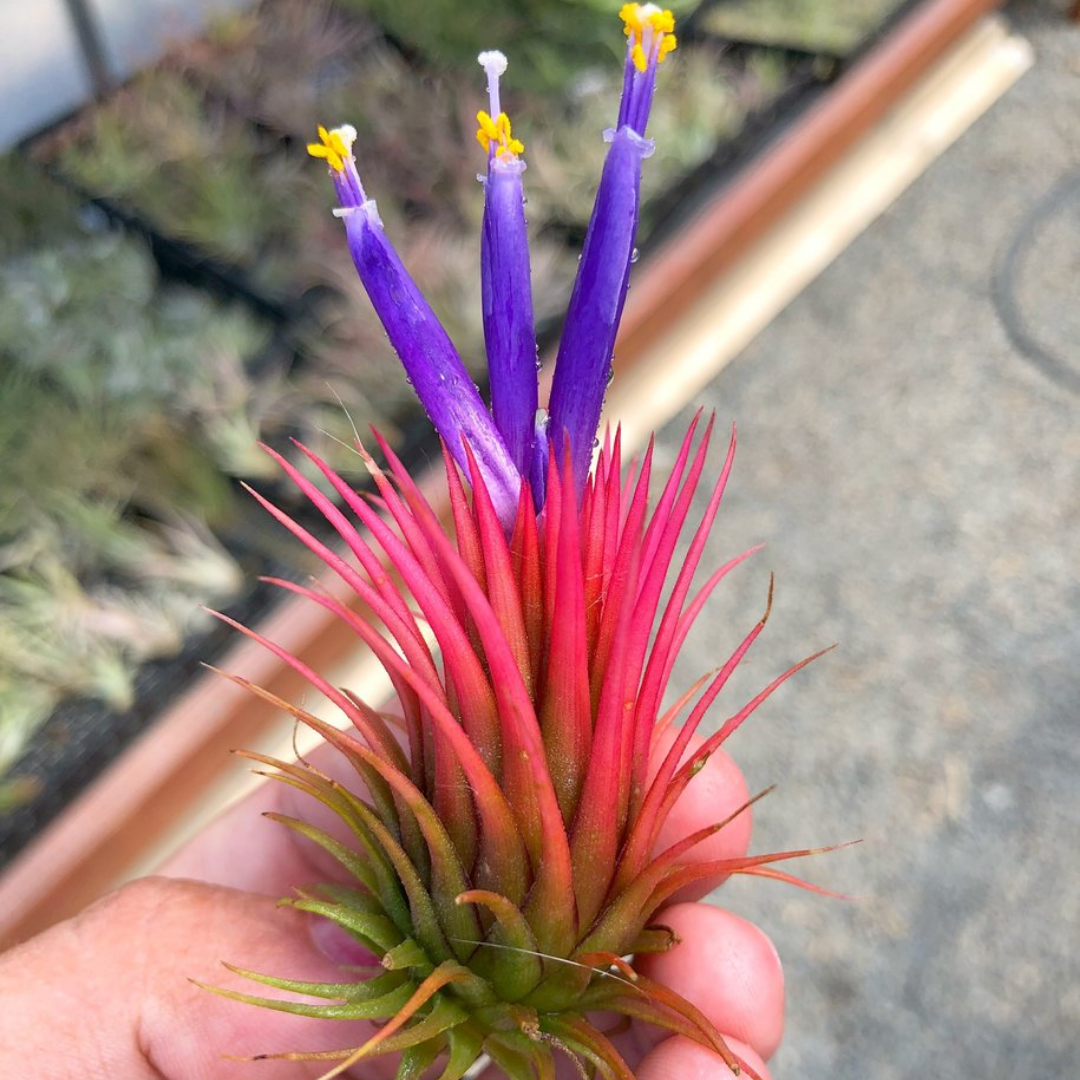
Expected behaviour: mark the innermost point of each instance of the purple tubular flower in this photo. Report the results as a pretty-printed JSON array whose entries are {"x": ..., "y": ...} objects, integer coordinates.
[
  {"x": 513, "y": 441},
  {"x": 431, "y": 362},
  {"x": 583, "y": 364},
  {"x": 505, "y": 276}
]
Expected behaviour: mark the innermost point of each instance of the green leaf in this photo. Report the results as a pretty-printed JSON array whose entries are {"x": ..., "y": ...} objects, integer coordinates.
[
  {"x": 465, "y": 1041},
  {"x": 386, "y": 883},
  {"x": 444, "y": 1016},
  {"x": 375, "y": 931},
  {"x": 349, "y": 859},
  {"x": 379, "y": 1008},
  {"x": 423, "y": 918},
  {"x": 415, "y": 1060},
  {"x": 509, "y": 958},
  {"x": 513, "y": 1053},
  {"x": 363, "y": 990},
  {"x": 408, "y": 954}
]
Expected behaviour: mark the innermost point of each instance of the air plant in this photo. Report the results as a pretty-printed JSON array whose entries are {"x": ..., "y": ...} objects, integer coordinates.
[
  {"x": 86, "y": 598},
  {"x": 502, "y": 829},
  {"x": 90, "y": 320}
]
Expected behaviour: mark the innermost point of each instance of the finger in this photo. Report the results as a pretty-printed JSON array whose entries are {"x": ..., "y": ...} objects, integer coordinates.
[
  {"x": 108, "y": 994},
  {"x": 681, "y": 1059},
  {"x": 713, "y": 795},
  {"x": 728, "y": 968}
]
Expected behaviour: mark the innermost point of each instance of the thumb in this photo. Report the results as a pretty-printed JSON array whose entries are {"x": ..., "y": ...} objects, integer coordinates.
[{"x": 108, "y": 993}]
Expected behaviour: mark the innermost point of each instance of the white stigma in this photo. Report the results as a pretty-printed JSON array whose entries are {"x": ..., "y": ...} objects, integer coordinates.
[{"x": 494, "y": 63}]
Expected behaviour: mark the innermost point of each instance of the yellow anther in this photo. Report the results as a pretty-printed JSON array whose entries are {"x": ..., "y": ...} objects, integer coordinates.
[
  {"x": 663, "y": 22},
  {"x": 651, "y": 29},
  {"x": 334, "y": 147},
  {"x": 487, "y": 131},
  {"x": 497, "y": 131}
]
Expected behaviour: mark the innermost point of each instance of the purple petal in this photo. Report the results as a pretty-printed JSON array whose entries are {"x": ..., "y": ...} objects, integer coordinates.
[
  {"x": 583, "y": 364},
  {"x": 509, "y": 332},
  {"x": 431, "y": 362}
]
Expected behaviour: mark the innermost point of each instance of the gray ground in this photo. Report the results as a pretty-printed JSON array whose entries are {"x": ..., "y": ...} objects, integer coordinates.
[{"x": 918, "y": 480}]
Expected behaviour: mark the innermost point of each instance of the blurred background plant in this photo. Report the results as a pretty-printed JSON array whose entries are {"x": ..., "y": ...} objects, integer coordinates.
[
  {"x": 186, "y": 165},
  {"x": 834, "y": 28},
  {"x": 120, "y": 402},
  {"x": 552, "y": 40}
]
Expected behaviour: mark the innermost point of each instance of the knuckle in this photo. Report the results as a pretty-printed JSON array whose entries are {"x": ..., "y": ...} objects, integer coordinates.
[{"x": 138, "y": 903}]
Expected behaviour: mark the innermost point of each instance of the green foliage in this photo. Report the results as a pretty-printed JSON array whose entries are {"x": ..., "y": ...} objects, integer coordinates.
[
  {"x": 834, "y": 27},
  {"x": 275, "y": 60},
  {"x": 194, "y": 170},
  {"x": 90, "y": 323},
  {"x": 120, "y": 402},
  {"x": 86, "y": 596},
  {"x": 33, "y": 208},
  {"x": 553, "y": 40}
]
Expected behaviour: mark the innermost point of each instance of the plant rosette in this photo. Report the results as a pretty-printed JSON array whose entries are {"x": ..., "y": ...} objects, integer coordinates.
[{"x": 501, "y": 857}]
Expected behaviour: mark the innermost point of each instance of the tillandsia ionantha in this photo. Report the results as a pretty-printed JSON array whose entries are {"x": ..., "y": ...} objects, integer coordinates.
[{"x": 504, "y": 826}]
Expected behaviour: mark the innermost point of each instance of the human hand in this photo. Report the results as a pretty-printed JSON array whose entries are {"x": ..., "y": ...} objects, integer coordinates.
[{"x": 107, "y": 995}]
